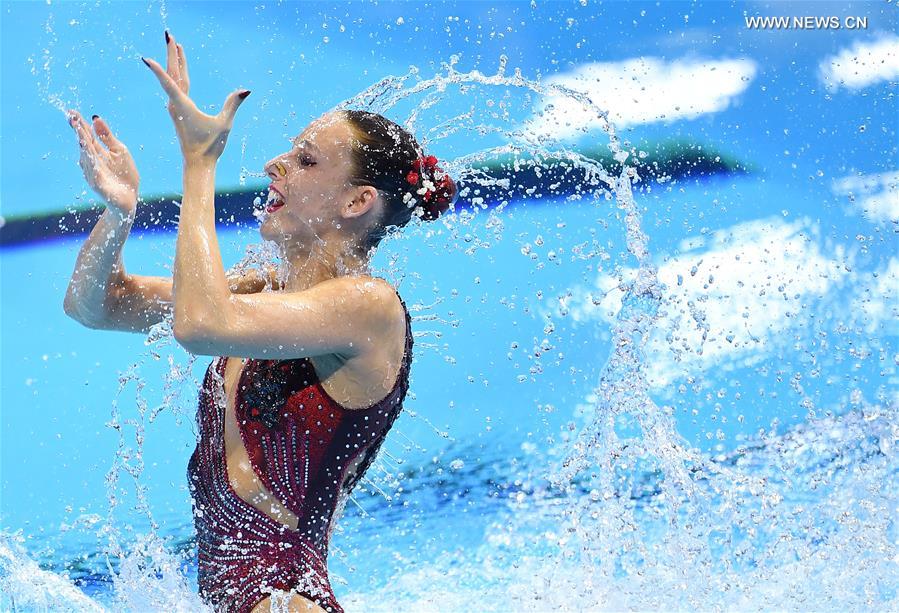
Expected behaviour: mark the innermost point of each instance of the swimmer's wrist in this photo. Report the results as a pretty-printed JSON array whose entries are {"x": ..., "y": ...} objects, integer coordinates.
[
  {"x": 124, "y": 211},
  {"x": 200, "y": 162},
  {"x": 122, "y": 216}
]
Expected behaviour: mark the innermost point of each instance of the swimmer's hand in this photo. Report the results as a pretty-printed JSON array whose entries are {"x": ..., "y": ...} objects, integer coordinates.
[
  {"x": 202, "y": 136},
  {"x": 109, "y": 170},
  {"x": 254, "y": 281}
]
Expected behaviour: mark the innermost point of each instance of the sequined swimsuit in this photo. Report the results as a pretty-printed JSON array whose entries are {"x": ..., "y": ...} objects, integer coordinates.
[{"x": 302, "y": 445}]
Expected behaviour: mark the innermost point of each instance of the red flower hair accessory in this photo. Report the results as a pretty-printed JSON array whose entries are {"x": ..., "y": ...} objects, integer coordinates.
[
  {"x": 438, "y": 189},
  {"x": 428, "y": 162}
]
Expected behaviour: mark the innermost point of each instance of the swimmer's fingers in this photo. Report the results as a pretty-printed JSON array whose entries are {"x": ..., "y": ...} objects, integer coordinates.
[
  {"x": 117, "y": 160},
  {"x": 177, "y": 97},
  {"x": 93, "y": 146},
  {"x": 110, "y": 173},
  {"x": 88, "y": 162},
  {"x": 106, "y": 135},
  {"x": 171, "y": 57},
  {"x": 85, "y": 138},
  {"x": 185, "y": 77},
  {"x": 88, "y": 167},
  {"x": 177, "y": 63},
  {"x": 232, "y": 103},
  {"x": 173, "y": 64},
  {"x": 78, "y": 125}
]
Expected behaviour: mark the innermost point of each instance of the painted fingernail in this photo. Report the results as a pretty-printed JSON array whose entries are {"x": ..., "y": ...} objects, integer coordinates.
[
  {"x": 145, "y": 62},
  {"x": 244, "y": 94},
  {"x": 166, "y": 37},
  {"x": 94, "y": 117}
]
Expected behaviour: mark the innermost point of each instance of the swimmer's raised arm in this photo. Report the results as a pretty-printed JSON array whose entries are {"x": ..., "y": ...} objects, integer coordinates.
[
  {"x": 99, "y": 282},
  {"x": 101, "y": 294},
  {"x": 332, "y": 317}
]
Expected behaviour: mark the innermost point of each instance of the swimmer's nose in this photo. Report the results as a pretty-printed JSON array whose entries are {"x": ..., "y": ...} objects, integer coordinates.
[{"x": 275, "y": 169}]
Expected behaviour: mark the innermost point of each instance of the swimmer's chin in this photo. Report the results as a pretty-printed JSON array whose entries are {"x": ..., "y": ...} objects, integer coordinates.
[{"x": 267, "y": 232}]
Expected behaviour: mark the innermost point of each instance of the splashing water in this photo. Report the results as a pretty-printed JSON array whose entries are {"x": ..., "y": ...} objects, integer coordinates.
[{"x": 640, "y": 520}]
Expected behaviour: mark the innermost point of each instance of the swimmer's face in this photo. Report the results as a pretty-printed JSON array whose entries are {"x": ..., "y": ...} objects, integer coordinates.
[{"x": 312, "y": 182}]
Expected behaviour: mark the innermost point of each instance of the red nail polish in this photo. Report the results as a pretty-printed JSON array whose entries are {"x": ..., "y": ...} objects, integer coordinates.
[
  {"x": 145, "y": 62},
  {"x": 166, "y": 37},
  {"x": 243, "y": 95},
  {"x": 93, "y": 117}
]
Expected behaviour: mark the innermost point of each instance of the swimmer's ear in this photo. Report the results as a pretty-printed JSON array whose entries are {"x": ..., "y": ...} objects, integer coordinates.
[{"x": 366, "y": 199}]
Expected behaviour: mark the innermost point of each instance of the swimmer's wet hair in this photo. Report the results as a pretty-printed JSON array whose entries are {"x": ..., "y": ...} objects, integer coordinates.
[{"x": 383, "y": 157}]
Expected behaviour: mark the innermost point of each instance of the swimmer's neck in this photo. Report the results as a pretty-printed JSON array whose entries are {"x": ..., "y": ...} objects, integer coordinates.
[{"x": 303, "y": 268}]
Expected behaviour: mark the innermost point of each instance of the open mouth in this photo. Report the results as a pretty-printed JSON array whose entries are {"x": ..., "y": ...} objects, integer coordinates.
[{"x": 274, "y": 202}]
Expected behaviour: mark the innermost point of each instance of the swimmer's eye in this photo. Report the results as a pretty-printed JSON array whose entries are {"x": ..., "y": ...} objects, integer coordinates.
[{"x": 305, "y": 160}]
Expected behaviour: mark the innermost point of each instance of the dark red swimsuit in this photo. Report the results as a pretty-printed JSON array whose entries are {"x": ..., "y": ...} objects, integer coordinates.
[{"x": 302, "y": 445}]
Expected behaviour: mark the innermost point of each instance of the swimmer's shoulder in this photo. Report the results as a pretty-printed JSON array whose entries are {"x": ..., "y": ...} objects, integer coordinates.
[{"x": 380, "y": 299}]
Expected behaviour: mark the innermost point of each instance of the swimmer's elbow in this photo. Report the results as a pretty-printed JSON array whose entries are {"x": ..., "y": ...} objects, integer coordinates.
[
  {"x": 186, "y": 334},
  {"x": 70, "y": 306},
  {"x": 193, "y": 336}
]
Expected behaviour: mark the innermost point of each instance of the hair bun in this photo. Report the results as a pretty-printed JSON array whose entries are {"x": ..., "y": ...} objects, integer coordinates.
[
  {"x": 442, "y": 198},
  {"x": 439, "y": 190}
]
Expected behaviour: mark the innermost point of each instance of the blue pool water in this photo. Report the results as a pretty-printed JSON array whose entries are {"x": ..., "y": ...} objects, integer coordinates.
[{"x": 686, "y": 399}]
